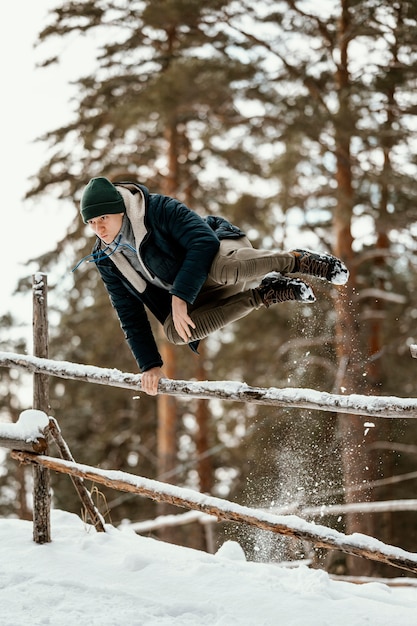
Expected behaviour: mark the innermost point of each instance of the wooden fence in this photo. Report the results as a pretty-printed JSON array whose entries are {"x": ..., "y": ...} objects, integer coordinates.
[
  {"x": 220, "y": 509},
  {"x": 35, "y": 452}
]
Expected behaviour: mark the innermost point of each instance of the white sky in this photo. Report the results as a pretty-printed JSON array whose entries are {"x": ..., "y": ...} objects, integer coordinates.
[{"x": 33, "y": 102}]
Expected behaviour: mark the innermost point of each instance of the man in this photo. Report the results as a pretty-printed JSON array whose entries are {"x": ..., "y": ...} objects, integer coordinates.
[{"x": 192, "y": 273}]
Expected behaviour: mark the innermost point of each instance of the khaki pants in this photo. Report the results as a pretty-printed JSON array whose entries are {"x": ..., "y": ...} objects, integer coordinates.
[{"x": 224, "y": 297}]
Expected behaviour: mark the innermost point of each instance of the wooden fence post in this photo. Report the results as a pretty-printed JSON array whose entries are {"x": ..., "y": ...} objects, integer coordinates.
[
  {"x": 41, "y": 478},
  {"x": 85, "y": 496}
]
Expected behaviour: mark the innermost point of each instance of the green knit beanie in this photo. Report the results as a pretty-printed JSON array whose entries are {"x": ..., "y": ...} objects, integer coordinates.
[{"x": 100, "y": 197}]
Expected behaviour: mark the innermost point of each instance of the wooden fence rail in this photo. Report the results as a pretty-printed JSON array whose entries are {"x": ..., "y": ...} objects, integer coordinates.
[
  {"x": 34, "y": 428},
  {"x": 354, "y": 404},
  {"x": 288, "y": 525}
]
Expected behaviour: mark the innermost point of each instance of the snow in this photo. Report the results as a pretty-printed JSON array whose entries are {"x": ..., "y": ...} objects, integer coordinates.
[
  {"x": 118, "y": 578},
  {"x": 29, "y": 427}
]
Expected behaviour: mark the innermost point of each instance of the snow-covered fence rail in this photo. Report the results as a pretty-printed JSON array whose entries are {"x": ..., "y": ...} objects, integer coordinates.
[
  {"x": 288, "y": 525},
  {"x": 382, "y": 506},
  {"x": 354, "y": 404}
]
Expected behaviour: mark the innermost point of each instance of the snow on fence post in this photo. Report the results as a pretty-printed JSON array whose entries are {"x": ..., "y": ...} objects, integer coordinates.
[{"x": 41, "y": 478}]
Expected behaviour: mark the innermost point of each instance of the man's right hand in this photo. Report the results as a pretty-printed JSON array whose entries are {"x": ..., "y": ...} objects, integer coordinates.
[{"x": 150, "y": 380}]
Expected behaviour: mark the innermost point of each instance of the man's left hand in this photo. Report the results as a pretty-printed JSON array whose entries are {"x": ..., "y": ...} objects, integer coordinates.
[{"x": 182, "y": 321}]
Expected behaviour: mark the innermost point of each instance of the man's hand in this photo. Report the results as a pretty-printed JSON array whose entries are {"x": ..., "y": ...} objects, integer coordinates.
[
  {"x": 182, "y": 321},
  {"x": 150, "y": 380}
]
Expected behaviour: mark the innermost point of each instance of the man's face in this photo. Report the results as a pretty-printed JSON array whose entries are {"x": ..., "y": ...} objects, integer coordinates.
[{"x": 107, "y": 226}]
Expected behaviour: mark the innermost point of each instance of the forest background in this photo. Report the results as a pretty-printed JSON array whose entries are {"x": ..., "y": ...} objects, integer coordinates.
[{"x": 296, "y": 121}]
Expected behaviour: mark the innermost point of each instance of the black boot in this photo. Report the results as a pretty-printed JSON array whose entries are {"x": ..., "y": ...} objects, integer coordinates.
[
  {"x": 323, "y": 266},
  {"x": 277, "y": 288}
]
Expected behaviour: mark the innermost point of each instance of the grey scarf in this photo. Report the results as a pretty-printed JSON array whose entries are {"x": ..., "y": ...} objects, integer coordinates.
[{"x": 135, "y": 211}]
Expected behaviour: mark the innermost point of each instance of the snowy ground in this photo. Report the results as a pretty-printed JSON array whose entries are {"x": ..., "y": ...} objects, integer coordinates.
[{"x": 84, "y": 578}]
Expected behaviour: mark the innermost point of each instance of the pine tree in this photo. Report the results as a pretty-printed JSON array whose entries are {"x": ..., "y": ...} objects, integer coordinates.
[
  {"x": 164, "y": 93},
  {"x": 337, "y": 119},
  {"x": 177, "y": 102}
]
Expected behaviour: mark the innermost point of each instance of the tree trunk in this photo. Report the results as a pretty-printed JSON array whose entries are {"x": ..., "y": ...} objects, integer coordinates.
[
  {"x": 356, "y": 458},
  {"x": 383, "y": 523},
  {"x": 167, "y": 405},
  {"x": 167, "y": 438},
  {"x": 204, "y": 460}
]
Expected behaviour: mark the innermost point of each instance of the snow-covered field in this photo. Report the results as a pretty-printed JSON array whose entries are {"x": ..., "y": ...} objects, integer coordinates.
[{"x": 117, "y": 578}]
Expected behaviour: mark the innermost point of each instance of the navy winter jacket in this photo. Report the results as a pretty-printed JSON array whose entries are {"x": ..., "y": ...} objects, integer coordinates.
[{"x": 179, "y": 247}]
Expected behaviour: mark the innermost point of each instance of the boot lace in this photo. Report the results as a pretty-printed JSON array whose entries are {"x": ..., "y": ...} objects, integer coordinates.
[
  {"x": 311, "y": 265},
  {"x": 278, "y": 294}
]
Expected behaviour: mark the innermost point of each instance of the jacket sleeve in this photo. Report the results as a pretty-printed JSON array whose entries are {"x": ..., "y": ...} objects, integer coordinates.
[
  {"x": 200, "y": 244},
  {"x": 133, "y": 319}
]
